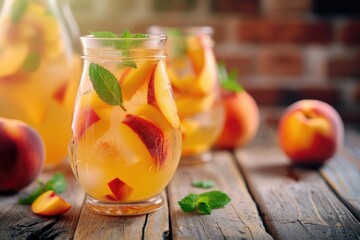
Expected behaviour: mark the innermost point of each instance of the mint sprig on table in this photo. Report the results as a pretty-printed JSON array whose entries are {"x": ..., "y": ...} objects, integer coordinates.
[
  {"x": 106, "y": 85},
  {"x": 57, "y": 183},
  {"x": 204, "y": 203},
  {"x": 228, "y": 81},
  {"x": 203, "y": 184}
]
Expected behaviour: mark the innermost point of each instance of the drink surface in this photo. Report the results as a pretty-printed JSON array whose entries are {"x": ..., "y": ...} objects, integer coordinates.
[
  {"x": 126, "y": 153},
  {"x": 39, "y": 73}
]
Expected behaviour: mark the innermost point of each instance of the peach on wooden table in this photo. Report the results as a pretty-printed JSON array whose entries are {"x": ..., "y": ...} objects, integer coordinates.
[
  {"x": 310, "y": 131},
  {"x": 242, "y": 119},
  {"x": 22, "y": 154},
  {"x": 50, "y": 204}
]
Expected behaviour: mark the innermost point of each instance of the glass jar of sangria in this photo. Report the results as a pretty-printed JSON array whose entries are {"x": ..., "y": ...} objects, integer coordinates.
[
  {"x": 39, "y": 70},
  {"x": 192, "y": 68},
  {"x": 125, "y": 137}
]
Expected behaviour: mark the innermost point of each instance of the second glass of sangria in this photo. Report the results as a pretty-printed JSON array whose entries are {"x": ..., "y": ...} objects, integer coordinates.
[{"x": 192, "y": 68}]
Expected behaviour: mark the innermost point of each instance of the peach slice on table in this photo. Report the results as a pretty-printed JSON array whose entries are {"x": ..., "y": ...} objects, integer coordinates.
[
  {"x": 120, "y": 191},
  {"x": 191, "y": 105},
  {"x": 50, "y": 204},
  {"x": 151, "y": 136},
  {"x": 160, "y": 95},
  {"x": 12, "y": 57},
  {"x": 135, "y": 78}
]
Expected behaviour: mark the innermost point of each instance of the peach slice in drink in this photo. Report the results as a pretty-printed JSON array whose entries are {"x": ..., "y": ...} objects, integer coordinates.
[
  {"x": 151, "y": 135},
  {"x": 160, "y": 95},
  {"x": 191, "y": 105},
  {"x": 12, "y": 57},
  {"x": 196, "y": 52},
  {"x": 120, "y": 191},
  {"x": 135, "y": 78}
]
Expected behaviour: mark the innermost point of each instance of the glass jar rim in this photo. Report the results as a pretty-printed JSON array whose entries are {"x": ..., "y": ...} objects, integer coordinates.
[{"x": 151, "y": 37}]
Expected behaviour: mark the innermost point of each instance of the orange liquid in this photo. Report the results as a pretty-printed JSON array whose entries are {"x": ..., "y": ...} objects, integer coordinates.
[
  {"x": 39, "y": 76},
  {"x": 109, "y": 143}
]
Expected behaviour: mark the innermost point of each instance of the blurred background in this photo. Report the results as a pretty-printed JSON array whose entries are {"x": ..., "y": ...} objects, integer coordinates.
[{"x": 284, "y": 50}]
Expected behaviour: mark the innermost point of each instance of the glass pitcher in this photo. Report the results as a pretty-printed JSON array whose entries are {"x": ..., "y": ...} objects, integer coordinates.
[{"x": 39, "y": 70}]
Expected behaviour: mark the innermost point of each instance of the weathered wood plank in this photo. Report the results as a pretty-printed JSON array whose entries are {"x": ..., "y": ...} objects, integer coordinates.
[
  {"x": 238, "y": 220},
  {"x": 150, "y": 226},
  {"x": 19, "y": 222},
  {"x": 296, "y": 203},
  {"x": 342, "y": 173}
]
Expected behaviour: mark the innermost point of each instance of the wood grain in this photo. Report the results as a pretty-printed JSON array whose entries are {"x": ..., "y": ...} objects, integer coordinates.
[
  {"x": 342, "y": 173},
  {"x": 19, "y": 222},
  {"x": 237, "y": 220},
  {"x": 150, "y": 226},
  {"x": 296, "y": 203}
]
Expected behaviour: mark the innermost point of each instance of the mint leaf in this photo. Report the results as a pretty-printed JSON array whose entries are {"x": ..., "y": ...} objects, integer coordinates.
[
  {"x": 127, "y": 34},
  {"x": 204, "y": 202},
  {"x": 229, "y": 81},
  {"x": 105, "y": 85},
  {"x": 18, "y": 10},
  {"x": 203, "y": 184},
  {"x": 104, "y": 34},
  {"x": 31, "y": 62},
  {"x": 188, "y": 203},
  {"x": 57, "y": 183},
  {"x": 217, "y": 199},
  {"x": 204, "y": 208}
]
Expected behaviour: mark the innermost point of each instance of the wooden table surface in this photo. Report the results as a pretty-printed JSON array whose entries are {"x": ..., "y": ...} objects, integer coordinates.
[{"x": 271, "y": 199}]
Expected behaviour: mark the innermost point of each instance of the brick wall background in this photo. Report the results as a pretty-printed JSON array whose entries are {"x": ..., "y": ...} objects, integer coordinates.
[{"x": 284, "y": 50}]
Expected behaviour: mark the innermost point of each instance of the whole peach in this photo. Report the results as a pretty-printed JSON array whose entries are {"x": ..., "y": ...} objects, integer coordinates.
[
  {"x": 242, "y": 119},
  {"x": 310, "y": 131},
  {"x": 21, "y": 155}
]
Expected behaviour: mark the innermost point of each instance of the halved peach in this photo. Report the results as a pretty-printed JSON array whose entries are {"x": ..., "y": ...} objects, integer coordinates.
[
  {"x": 12, "y": 57},
  {"x": 50, "y": 204},
  {"x": 135, "y": 78},
  {"x": 151, "y": 135},
  {"x": 191, "y": 105},
  {"x": 160, "y": 95},
  {"x": 119, "y": 189}
]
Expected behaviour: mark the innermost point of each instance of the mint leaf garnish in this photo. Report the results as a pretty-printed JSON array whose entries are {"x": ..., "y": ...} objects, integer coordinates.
[
  {"x": 127, "y": 34},
  {"x": 204, "y": 208},
  {"x": 227, "y": 80},
  {"x": 105, "y": 85},
  {"x": 104, "y": 34},
  {"x": 204, "y": 202},
  {"x": 217, "y": 199},
  {"x": 31, "y": 62},
  {"x": 188, "y": 203},
  {"x": 57, "y": 183},
  {"x": 18, "y": 10},
  {"x": 203, "y": 184}
]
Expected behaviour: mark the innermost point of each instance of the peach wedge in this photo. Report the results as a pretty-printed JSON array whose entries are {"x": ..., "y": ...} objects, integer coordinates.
[
  {"x": 50, "y": 204},
  {"x": 160, "y": 95}
]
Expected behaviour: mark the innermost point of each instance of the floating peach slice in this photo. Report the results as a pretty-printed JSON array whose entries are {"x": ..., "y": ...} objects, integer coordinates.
[
  {"x": 83, "y": 119},
  {"x": 120, "y": 190},
  {"x": 154, "y": 115},
  {"x": 160, "y": 95},
  {"x": 188, "y": 127},
  {"x": 135, "y": 78},
  {"x": 50, "y": 204},
  {"x": 151, "y": 135},
  {"x": 12, "y": 57},
  {"x": 182, "y": 84},
  {"x": 39, "y": 17},
  {"x": 196, "y": 52},
  {"x": 92, "y": 99},
  {"x": 59, "y": 93},
  {"x": 191, "y": 105}
]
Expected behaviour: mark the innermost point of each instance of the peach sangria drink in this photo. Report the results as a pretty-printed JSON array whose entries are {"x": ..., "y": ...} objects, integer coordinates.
[
  {"x": 39, "y": 72},
  {"x": 192, "y": 70},
  {"x": 126, "y": 139}
]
